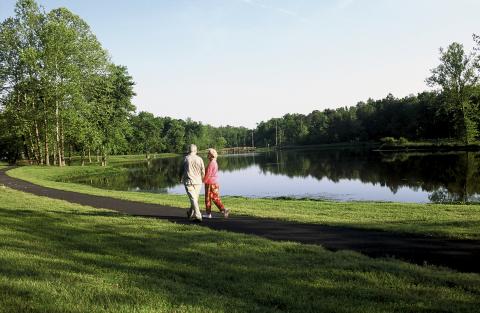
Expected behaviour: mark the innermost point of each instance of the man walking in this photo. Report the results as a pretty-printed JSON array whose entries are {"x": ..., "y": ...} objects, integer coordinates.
[{"x": 193, "y": 172}]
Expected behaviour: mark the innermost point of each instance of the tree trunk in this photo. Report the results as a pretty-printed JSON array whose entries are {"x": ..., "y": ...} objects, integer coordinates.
[
  {"x": 47, "y": 153},
  {"x": 89, "y": 156},
  {"x": 26, "y": 153},
  {"x": 34, "y": 141},
  {"x": 38, "y": 143},
  {"x": 55, "y": 155},
  {"x": 104, "y": 157},
  {"x": 45, "y": 129},
  {"x": 70, "y": 148},
  {"x": 83, "y": 157},
  {"x": 62, "y": 142},
  {"x": 31, "y": 146},
  {"x": 57, "y": 134}
]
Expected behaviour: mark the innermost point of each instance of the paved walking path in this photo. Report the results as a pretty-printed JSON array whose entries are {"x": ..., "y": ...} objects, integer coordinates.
[{"x": 462, "y": 255}]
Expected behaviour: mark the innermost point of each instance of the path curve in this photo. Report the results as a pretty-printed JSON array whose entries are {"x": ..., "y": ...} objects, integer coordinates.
[{"x": 461, "y": 255}]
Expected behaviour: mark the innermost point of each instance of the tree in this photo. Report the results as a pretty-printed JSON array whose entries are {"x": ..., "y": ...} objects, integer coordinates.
[
  {"x": 20, "y": 68},
  {"x": 49, "y": 62},
  {"x": 456, "y": 75},
  {"x": 73, "y": 58},
  {"x": 146, "y": 134},
  {"x": 112, "y": 108},
  {"x": 175, "y": 135}
]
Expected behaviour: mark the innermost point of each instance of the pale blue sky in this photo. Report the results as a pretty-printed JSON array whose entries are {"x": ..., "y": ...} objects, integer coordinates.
[{"x": 239, "y": 62}]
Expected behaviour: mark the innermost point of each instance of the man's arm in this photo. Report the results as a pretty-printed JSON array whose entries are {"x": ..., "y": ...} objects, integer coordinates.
[
  {"x": 183, "y": 170},
  {"x": 203, "y": 168}
]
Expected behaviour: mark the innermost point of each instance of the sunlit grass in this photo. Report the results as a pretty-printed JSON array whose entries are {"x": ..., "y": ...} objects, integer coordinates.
[
  {"x": 455, "y": 221},
  {"x": 60, "y": 257},
  {"x": 115, "y": 159}
]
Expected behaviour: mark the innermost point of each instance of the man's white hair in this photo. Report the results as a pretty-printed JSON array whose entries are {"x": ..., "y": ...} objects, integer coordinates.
[{"x": 192, "y": 148}]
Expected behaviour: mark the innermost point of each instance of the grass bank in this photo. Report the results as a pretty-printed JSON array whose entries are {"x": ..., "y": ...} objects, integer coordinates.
[
  {"x": 454, "y": 221},
  {"x": 402, "y": 144},
  {"x": 116, "y": 159},
  {"x": 60, "y": 257}
]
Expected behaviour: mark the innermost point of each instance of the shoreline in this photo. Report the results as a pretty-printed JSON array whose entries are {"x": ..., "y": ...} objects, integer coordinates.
[{"x": 448, "y": 220}]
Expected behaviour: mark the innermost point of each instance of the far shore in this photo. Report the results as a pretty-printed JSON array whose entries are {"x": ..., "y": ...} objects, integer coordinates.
[{"x": 409, "y": 146}]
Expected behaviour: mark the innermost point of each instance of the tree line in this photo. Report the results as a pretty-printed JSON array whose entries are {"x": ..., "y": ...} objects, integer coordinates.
[
  {"x": 151, "y": 134},
  {"x": 61, "y": 95},
  {"x": 451, "y": 112}
]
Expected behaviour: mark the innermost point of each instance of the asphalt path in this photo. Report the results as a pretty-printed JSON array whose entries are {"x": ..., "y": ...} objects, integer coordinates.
[{"x": 460, "y": 255}]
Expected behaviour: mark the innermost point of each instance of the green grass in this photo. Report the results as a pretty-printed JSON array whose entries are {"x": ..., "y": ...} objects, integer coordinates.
[
  {"x": 60, "y": 257},
  {"x": 116, "y": 159},
  {"x": 454, "y": 221}
]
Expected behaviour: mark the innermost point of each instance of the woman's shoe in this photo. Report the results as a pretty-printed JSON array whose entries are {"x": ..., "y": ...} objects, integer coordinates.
[{"x": 226, "y": 212}]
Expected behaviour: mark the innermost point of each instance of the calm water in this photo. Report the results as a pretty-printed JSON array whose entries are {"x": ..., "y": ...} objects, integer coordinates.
[{"x": 343, "y": 175}]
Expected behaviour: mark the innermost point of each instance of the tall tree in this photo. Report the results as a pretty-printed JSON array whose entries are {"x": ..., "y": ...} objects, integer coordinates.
[
  {"x": 112, "y": 109},
  {"x": 20, "y": 68},
  {"x": 72, "y": 57},
  {"x": 456, "y": 75}
]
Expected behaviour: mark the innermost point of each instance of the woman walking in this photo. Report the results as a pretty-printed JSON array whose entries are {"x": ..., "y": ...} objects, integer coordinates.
[{"x": 212, "y": 188}]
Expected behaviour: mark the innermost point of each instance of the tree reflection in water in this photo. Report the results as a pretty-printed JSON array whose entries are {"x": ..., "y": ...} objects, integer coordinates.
[{"x": 447, "y": 177}]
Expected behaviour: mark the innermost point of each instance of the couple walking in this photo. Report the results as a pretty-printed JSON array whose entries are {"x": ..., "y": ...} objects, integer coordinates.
[{"x": 194, "y": 175}]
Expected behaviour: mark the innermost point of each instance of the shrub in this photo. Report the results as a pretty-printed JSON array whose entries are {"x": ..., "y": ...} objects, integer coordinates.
[{"x": 388, "y": 140}]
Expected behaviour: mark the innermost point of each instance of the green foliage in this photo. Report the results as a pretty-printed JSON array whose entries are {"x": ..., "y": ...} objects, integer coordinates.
[
  {"x": 457, "y": 74},
  {"x": 55, "y": 80},
  {"x": 403, "y": 141},
  {"x": 388, "y": 140},
  {"x": 152, "y": 134}
]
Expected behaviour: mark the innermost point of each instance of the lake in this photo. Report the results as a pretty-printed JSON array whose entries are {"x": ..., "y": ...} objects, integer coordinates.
[{"x": 334, "y": 174}]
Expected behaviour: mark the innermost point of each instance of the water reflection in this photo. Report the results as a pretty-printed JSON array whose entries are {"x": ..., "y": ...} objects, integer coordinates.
[{"x": 345, "y": 174}]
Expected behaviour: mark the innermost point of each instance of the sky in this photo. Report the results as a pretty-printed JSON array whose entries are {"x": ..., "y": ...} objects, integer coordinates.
[{"x": 240, "y": 62}]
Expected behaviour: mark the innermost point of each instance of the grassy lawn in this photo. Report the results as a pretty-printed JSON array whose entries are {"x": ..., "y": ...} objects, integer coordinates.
[
  {"x": 454, "y": 221},
  {"x": 60, "y": 257}
]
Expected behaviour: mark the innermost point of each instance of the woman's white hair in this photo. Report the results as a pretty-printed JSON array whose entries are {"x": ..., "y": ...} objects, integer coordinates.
[{"x": 213, "y": 152}]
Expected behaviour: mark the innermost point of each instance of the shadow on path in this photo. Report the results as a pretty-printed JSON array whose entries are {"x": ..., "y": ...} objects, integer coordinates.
[{"x": 461, "y": 255}]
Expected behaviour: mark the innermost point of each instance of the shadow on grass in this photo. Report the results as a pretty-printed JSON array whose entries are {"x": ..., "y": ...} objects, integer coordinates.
[{"x": 77, "y": 261}]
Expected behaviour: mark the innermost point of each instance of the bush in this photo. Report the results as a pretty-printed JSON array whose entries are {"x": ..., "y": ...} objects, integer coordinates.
[
  {"x": 403, "y": 141},
  {"x": 388, "y": 140}
]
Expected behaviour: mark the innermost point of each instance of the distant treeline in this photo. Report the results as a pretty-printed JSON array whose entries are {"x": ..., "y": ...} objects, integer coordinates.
[
  {"x": 61, "y": 95},
  {"x": 451, "y": 112},
  {"x": 427, "y": 115}
]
